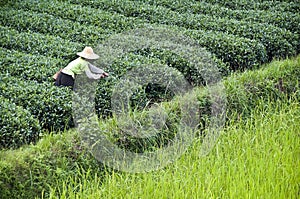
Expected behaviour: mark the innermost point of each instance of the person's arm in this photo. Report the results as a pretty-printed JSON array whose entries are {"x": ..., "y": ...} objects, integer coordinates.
[
  {"x": 95, "y": 69},
  {"x": 91, "y": 75}
]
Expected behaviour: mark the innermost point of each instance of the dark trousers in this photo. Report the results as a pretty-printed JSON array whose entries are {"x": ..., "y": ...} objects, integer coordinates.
[{"x": 64, "y": 80}]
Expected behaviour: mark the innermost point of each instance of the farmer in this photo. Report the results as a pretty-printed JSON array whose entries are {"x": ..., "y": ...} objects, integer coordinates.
[{"x": 66, "y": 76}]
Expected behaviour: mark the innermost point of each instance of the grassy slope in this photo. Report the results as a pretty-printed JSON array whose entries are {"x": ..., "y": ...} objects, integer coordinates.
[
  {"x": 254, "y": 158},
  {"x": 256, "y": 155}
]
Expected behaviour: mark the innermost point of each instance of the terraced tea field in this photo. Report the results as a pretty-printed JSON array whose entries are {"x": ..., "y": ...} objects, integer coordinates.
[{"x": 38, "y": 37}]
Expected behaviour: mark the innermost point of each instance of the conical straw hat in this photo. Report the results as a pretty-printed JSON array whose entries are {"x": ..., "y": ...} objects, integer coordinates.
[{"x": 88, "y": 53}]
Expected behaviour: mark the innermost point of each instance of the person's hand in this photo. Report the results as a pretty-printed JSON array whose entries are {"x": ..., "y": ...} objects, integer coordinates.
[{"x": 103, "y": 75}]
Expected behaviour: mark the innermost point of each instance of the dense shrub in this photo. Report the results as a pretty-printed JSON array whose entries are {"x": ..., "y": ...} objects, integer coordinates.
[
  {"x": 106, "y": 21},
  {"x": 17, "y": 125},
  {"x": 49, "y": 24},
  {"x": 29, "y": 66},
  {"x": 120, "y": 69},
  {"x": 50, "y": 105},
  {"x": 278, "y": 42},
  {"x": 227, "y": 47},
  {"x": 291, "y": 6},
  {"x": 40, "y": 44},
  {"x": 288, "y": 20},
  {"x": 240, "y": 53}
]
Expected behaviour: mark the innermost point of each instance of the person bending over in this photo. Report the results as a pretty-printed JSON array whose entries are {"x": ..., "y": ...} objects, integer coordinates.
[{"x": 66, "y": 76}]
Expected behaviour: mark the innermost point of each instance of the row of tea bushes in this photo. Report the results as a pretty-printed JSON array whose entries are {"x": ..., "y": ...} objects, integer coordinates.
[
  {"x": 29, "y": 66},
  {"x": 36, "y": 43},
  {"x": 17, "y": 125},
  {"x": 48, "y": 24},
  {"x": 49, "y": 104},
  {"x": 239, "y": 52},
  {"x": 106, "y": 21},
  {"x": 284, "y": 6},
  {"x": 277, "y": 41},
  {"x": 283, "y": 19}
]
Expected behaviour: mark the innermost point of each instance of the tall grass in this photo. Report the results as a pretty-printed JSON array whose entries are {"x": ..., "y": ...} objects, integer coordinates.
[{"x": 254, "y": 158}]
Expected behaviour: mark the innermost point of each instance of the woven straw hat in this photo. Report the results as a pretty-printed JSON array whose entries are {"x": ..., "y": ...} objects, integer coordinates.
[{"x": 88, "y": 53}]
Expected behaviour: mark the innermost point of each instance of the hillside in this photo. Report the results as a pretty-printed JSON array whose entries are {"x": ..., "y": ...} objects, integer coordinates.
[{"x": 186, "y": 78}]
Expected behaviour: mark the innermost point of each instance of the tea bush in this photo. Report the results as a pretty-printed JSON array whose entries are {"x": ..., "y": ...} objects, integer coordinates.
[
  {"x": 278, "y": 42},
  {"x": 229, "y": 48},
  {"x": 291, "y": 6},
  {"x": 48, "y": 24},
  {"x": 29, "y": 66},
  {"x": 49, "y": 104},
  {"x": 240, "y": 53},
  {"x": 287, "y": 19},
  {"x": 106, "y": 21},
  {"x": 121, "y": 67},
  {"x": 17, "y": 125},
  {"x": 39, "y": 44}
]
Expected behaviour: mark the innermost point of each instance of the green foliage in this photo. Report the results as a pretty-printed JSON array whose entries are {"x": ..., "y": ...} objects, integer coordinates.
[
  {"x": 97, "y": 19},
  {"x": 17, "y": 125},
  {"x": 283, "y": 19},
  {"x": 263, "y": 146},
  {"x": 39, "y": 37},
  {"x": 238, "y": 52},
  {"x": 50, "y": 105},
  {"x": 94, "y": 34},
  {"x": 49, "y": 24},
  {"x": 278, "y": 42},
  {"x": 40, "y": 44},
  {"x": 29, "y": 66},
  {"x": 213, "y": 40},
  {"x": 146, "y": 94},
  {"x": 30, "y": 172},
  {"x": 276, "y": 81},
  {"x": 117, "y": 71},
  {"x": 290, "y": 6}
]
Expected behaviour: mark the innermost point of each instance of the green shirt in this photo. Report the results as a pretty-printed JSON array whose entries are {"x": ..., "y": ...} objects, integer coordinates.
[{"x": 76, "y": 67}]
